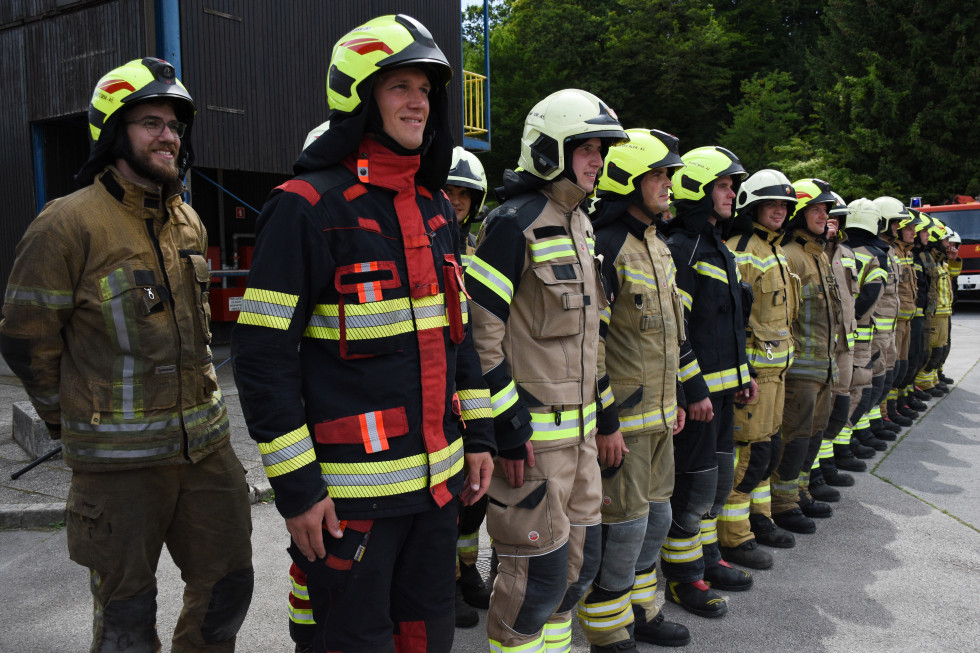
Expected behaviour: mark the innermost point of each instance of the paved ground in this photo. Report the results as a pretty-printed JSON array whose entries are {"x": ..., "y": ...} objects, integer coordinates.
[{"x": 895, "y": 569}]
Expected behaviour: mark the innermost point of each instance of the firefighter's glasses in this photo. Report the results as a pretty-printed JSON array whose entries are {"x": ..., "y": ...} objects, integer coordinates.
[{"x": 154, "y": 126}]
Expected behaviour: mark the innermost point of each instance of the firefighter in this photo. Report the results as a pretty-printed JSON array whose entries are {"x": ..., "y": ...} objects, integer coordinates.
[
  {"x": 763, "y": 203},
  {"x": 466, "y": 188},
  {"x": 353, "y": 355},
  {"x": 900, "y": 234},
  {"x": 862, "y": 228},
  {"x": 639, "y": 338},
  {"x": 714, "y": 372},
  {"x": 106, "y": 323},
  {"x": 939, "y": 309},
  {"x": 835, "y": 448},
  {"x": 536, "y": 302},
  {"x": 954, "y": 266},
  {"x": 814, "y": 370},
  {"x": 913, "y": 398}
]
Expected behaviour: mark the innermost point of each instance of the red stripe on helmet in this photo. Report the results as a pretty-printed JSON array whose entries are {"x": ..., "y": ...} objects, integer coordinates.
[{"x": 110, "y": 86}]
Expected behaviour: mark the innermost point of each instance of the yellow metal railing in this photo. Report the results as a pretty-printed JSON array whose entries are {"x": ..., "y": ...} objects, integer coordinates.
[{"x": 474, "y": 103}]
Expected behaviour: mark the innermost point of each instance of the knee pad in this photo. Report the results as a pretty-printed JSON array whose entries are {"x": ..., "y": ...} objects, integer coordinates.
[
  {"x": 879, "y": 386},
  {"x": 130, "y": 624},
  {"x": 791, "y": 462},
  {"x": 693, "y": 495},
  {"x": 591, "y": 558},
  {"x": 658, "y": 524},
  {"x": 760, "y": 453},
  {"x": 621, "y": 544},
  {"x": 470, "y": 517},
  {"x": 726, "y": 478},
  {"x": 544, "y": 589},
  {"x": 777, "y": 451},
  {"x": 230, "y": 598}
]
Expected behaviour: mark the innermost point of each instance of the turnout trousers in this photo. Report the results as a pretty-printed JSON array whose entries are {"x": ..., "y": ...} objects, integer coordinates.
[
  {"x": 703, "y": 473},
  {"x": 386, "y": 585},
  {"x": 546, "y": 534},
  {"x": 635, "y": 520},
  {"x": 807, "y": 410},
  {"x": 118, "y": 523}
]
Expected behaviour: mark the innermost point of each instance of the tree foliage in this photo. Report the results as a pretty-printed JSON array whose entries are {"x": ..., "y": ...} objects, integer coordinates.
[{"x": 877, "y": 96}]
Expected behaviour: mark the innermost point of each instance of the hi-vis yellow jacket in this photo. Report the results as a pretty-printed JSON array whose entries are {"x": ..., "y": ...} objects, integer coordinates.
[
  {"x": 762, "y": 264},
  {"x": 907, "y": 280},
  {"x": 845, "y": 272},
  {"x": 106, "y": 321}
]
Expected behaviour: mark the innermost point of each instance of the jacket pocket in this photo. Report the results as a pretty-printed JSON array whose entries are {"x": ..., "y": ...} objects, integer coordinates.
[
  {"x": 372, "y": 430},
  {"x": 560, "y": 300},
  {"x": 370, "y": 320},
  {"x": 520, "y": 516},
  {"x": 202, "y": 276}
]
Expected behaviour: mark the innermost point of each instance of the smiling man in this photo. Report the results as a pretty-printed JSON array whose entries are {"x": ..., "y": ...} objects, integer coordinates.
[
  {"x": 353, "y": 352},
  {"x": 105, "y": 321}
]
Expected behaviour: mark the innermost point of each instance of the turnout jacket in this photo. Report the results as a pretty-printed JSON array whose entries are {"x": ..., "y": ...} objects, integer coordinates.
[
  {"x": 352, "y": 352},
  {"x": 889, "y": 305},
  {"x": 762, "y": 264},
  {"x": 536, "y": 296},
  {"x": 944, "y": 284},
  {"x": 845, "y": 273},
  {"x": 907, "y": 283},
  {"x": 819, "y": 317},
  {"x": 642, "y": 328},
  {"x": 922, "y": 284},
  {"x": 713, "y": 359},
  {"x": 872, "y": 269},
  {"x": 106, "y": 321}
]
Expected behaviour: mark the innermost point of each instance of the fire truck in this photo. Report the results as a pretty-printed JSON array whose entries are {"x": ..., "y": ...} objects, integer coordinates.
[{"x": 963, "y": 218}]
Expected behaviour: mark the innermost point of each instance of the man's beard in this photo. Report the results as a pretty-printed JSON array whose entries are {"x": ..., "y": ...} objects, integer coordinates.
[{"x": 142, "y": 164}]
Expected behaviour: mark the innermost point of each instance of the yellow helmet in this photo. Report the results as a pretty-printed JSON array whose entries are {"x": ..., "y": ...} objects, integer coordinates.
[
  {"x": 626, "y": 163},
  {"x": 467, "y": 172},
  {"x": 138, "y": 80},
  {"x": 384, "y": 42},
  {"x": 560, "y": 118},
  {"x": 702, "y": 166},
  {"x": 937, "y": 229}
]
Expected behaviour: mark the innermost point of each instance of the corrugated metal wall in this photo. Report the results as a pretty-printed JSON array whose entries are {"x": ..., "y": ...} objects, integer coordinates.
[
  {"x": 50, "y": 68},
  {"x": 258, "y": 71}
]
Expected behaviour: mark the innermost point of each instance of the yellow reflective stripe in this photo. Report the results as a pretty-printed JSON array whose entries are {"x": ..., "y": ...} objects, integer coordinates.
[
  {"x": 761, "y": 493},
  {"x": 43, "y": 297},
  {"x": 761, "y": 264},
  {"x": 446, "y": 463},
  {"x": 655, "y": 417},
  {"x": 605, "y": 315},
  {"x": 267, "y": 308},
  {"x": 558, "y": 636},
  {"x": 382, "y": 478},
  {"x": 681, "y": 550},
  {"x": 884, "y": 324},
  {"x": 759, "y": 357},
  {"x": 534, "y": 646},
  {"x": 639, "y": 277},
  {"x": 689, "y": 371},
  {"x": 489, "y": 277},
  {"x": 877, "y": 273},
  {"x": 848, "y": 262},
  {"x": 475, "y": 404},
  {"x": 725, "y": 379},
  {"x": 734, "y": 511},
  {"x": 606, "y": 615},
  {"x": 552, "y": 248},
  {"x": 545, "y": 428},
  {"x": 301, "y": 615},
  {"x": 606, "y": 398},
  {"x": 504, "y": 398},
  {"x": 712, "y": 271},
  {"x": 591, "y": 243},
  {"x": 288, "y": 452},
  {"x": 381, "y": 319},
  {"x": 685, "y": 298}
]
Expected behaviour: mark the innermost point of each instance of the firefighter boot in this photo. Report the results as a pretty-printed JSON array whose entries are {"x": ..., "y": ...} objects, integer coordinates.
[
  {"x": 820, "y": 489},
  {"x": 915, "y": 403},
  {"x": 625, "y": 646},
  {"x": 475, "y": 591},
  {"x": 795, "y": 521},
  {"x": 866, "y": 438},
  {"x": 884, "y": 431},
  {"x": 943, "y": 378},
  {"x": 766, "y": 532},
  {"x": 835, "y": 477},
  {"x": 816, "y": 509},
  {"x": 905, "y": 408},
  {"x": 466, "y": 615},
  {"x": 922, "y": 395},
  {"x": 844, "y": 458},
  {"x": 895, "y": 415},
  {"x": 725, "y": 577},
  {"x": 748, "y": 554},
  {"x": 697, "y": 598},
  {"x": 658, "y": 630}
]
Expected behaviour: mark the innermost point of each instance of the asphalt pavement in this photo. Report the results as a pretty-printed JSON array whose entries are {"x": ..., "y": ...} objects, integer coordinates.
[{"x": 895, "y": 569}]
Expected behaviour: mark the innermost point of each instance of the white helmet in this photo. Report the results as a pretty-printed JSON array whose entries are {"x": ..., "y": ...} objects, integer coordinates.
[
  {"x": 563, "y": 116},
  {"x": 863, "y": 214}
]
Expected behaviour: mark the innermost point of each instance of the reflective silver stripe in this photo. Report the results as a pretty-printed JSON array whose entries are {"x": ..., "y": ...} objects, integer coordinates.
[
  {"x": 348, "y": 479},
  {"x": 49, "y": 401},
  {"x": 371, "y": 422},
  {"x": 475, "y": 403},
  {"x": 36, "y": 297},
  {"x": 287, "y": 453},
  {"x": 128, "y": 427},
  {"x": 116, "y": 453},
  {"x": 446, "y": 465},
  {"x": 267, "y": 308},
  {"x": 125, "y": 346}
]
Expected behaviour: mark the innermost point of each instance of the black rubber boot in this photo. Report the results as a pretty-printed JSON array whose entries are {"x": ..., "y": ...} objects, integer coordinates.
[
  {"x": 795, "y": 521},
  {"x": 466, "y": 615},
  {"x": 766, "y": 532},
  {"x": 748, "y": 554},
  {"x": 475, "y": 591},
  {"x": 945, "y": 379},
  {"x": 895, "y": 415},
  {"x": 821, "y": 490},
  {"x": 658, "y": 630},
  {"x": 844, "y": 458},
  {"x": 815, "y": 509},
  {"x": 835, "y": 477},
  {"x": 915, "y": 403},
  {"x": 725, "y": 577},
  {"x": 922, "y": 395},
  {"x": 865, "y": 437},
  {"x": 697, "y": 598},
  {"x": 907, "y": 411},
  {"x": 935, "y": 391}
]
